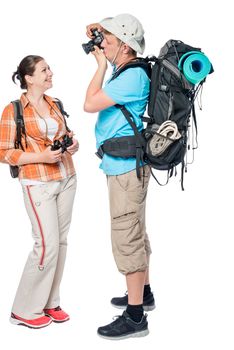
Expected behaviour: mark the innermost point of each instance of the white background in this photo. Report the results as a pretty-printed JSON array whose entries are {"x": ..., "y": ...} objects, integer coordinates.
[{"x": 191, "y": 232}]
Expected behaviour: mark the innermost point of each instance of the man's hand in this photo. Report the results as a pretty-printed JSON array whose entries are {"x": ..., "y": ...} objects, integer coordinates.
[
  {"x": 100, "y": 58},
  {"x": 93, "y": 26}
]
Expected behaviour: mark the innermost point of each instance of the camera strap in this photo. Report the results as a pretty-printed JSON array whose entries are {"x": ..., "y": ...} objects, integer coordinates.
[{"x": 59, "y": 104}]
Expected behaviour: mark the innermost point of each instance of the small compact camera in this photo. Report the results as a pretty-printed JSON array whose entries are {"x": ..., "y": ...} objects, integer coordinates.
[
  {"x": 14, "y": 170},
  {"x": 66, "y": 142},
  {"x": 96, "y": 41}
]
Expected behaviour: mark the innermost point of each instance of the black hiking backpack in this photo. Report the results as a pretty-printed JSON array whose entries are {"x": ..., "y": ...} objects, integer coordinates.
[
  {"x": 21, "y": 131},
  {"x": 164, "y": 142}
]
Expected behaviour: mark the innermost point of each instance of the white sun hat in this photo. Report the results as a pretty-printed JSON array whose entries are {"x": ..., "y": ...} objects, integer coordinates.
[{"x": 128, "y": 29}]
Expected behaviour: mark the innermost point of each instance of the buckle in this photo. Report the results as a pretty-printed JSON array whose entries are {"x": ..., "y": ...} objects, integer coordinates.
[{"x": 100, "y": 152}]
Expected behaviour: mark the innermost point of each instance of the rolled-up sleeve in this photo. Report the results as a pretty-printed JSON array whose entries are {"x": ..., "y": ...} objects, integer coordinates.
[{"x": 8, "y": 153}]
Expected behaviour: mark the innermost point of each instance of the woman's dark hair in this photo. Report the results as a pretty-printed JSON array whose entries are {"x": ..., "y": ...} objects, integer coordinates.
[{"x": 26, "y": 67}]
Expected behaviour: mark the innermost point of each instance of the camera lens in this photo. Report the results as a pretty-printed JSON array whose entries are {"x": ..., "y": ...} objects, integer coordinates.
[{"x": 88, "y": 47}]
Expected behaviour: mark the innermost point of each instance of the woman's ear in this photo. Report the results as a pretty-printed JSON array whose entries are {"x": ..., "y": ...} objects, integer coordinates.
[{"x": 28, "y": 79}]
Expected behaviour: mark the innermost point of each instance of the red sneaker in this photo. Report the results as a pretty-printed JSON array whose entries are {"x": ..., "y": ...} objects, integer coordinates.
[
  {"x": 57, "y": 314},
  {"x": 39, "y": 322}
]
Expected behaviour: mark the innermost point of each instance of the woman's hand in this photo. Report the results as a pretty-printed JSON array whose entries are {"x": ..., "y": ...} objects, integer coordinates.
[
  {"x": 74, "y": 147},
  {"x": 48, "y": 156}
]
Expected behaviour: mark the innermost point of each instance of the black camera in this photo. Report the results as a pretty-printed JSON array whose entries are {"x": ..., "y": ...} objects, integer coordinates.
[
  {"x": 96, "y": 41},
  {"x": 14, "y": 170},
  {"x": 66, "y": 142}
]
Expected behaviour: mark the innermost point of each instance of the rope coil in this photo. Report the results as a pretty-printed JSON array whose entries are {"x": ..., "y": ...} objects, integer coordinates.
[{"x": 165, "y": 135}]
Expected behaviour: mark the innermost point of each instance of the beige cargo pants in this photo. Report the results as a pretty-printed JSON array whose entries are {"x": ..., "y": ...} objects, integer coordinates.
[{"x": 49, "y": 208}]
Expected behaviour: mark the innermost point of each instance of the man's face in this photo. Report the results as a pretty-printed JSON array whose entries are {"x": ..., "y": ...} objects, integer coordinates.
[{"x": 110, "y": 46}]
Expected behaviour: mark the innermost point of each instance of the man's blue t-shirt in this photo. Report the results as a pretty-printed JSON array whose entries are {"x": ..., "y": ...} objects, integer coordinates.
[{"x": 130, "y": 88}]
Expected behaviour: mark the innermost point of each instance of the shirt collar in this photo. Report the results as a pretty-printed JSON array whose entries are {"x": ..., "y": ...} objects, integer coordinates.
[{"x": 25, "y": 101}]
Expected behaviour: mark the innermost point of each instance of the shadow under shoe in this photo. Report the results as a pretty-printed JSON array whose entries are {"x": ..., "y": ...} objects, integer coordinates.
[
  {"x": 122, "y": 302},
  {"x": 124, "y": 327}
]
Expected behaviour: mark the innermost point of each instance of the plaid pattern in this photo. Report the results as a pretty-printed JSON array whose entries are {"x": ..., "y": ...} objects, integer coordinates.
[{"x": 36, "y": 142}]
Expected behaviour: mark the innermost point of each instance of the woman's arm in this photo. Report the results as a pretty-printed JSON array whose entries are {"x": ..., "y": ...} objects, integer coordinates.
[
  {"x": 8, "y": 153},
  {"x": 12, "y": 156},
  {"x": 47, "y": 156}
]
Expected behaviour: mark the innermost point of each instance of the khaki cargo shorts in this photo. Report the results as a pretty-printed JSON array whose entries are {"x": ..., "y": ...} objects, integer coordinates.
[{"x": 130, "y": 243}]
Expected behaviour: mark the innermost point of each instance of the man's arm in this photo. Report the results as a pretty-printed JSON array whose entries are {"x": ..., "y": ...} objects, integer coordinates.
[{"x": 96, "y": 100}]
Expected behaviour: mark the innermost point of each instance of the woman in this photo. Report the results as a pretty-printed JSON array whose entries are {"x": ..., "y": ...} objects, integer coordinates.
[{"x": 48, "y": 181}]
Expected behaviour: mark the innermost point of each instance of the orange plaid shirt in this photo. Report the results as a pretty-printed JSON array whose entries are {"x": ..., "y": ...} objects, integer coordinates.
[{"x": 36, "y": 142}]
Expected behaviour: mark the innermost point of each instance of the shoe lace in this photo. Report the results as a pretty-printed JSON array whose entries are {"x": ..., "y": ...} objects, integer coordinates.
[
  {"x": 124, "y": 316},
  {"x": 58, "y": 308},
  {"x": 116, "y": 317}
]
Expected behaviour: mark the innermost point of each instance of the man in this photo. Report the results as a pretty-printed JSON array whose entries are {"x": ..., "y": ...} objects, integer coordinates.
[{"x": 123, "y": 38}]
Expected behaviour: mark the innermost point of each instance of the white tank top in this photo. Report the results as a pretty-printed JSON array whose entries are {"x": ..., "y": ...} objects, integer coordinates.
[{"x": 52, "y": 126}]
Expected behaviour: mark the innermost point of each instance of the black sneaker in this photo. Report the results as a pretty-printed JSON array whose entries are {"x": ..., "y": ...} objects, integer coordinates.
[
  {"x": 122, "y": 302},
  {"x": 124, "y": 327}
]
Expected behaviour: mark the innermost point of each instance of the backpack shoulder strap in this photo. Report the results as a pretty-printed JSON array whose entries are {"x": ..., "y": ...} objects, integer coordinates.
[
  {"x": 136, "y": 63},
  {"x": 140, "y": 142},
  {"x": 19, "y": 121},
  {"x": 59, "y": 104}
]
